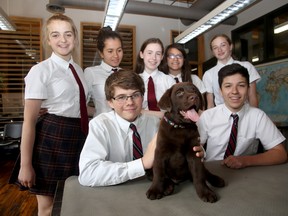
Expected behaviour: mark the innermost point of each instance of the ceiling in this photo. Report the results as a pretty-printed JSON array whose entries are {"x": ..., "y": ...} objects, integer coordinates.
[{"x": 188, "y": 11}]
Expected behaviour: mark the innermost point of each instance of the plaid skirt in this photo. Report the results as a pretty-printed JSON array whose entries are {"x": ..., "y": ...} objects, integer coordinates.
[{"x": 58, "y": 144}]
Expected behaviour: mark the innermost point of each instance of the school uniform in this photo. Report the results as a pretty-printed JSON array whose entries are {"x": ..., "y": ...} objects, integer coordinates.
[
  {"x": 96, "y": 77},
  {"x": 59, "y": 139},
  {"x": 107, "y": 155},
  {"x": 210, "y": 78},
  {"x": 162, "y": 82},
  {"x": 215, "y": 124}
]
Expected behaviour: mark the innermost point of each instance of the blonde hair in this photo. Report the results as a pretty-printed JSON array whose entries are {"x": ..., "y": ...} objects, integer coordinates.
[{"x": 60, "y": 17}]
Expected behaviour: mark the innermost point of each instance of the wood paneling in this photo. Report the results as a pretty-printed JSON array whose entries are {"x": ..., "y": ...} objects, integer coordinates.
[{"x": 90, "y": 57}]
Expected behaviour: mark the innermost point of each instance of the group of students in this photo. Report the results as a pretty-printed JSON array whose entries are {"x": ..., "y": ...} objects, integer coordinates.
[{"x": 54, "y": 147}]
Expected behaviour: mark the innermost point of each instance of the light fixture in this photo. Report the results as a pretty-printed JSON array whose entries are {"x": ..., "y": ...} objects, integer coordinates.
[
  {"x": 220, "y": 13},
  {"x": 281, "y": 28},
  {"x": 5, "y": 22},
  {"x": 55, "y": 8},
  {"x": 255, "y": 59},
  {"x": 113, "y": 13}
]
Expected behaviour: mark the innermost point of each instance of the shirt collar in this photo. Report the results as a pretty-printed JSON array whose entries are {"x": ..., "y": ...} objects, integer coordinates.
[
  {"x": 107, "y": 67},
  {"x": 230, "y": 61},
  {"x": 61, "y": 62},
  {"x": 240, "y": 113},
  {"x": 177, "y": 76},
  {"x": 124, "y": 124},
  {"x": 147, "y": 75}
]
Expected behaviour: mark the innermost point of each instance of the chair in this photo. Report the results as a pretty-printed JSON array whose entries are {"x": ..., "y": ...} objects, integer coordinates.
[{"x": 11, "y": 134}]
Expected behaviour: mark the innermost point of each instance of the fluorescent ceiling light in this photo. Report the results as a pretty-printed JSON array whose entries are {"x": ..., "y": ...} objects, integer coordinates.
[
  {"x": 220, "y": 13},
  {"x": 113, "y": 13},
  {"x": 5, "y": 22},
  {"x": 281, "y": 28}
]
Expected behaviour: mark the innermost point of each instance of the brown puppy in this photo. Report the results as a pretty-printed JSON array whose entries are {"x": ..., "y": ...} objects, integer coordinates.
[{"x": 175, "y": 160}]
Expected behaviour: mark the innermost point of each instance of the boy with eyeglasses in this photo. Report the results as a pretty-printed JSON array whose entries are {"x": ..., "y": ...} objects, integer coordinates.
[{"x": 107, "y": 155}]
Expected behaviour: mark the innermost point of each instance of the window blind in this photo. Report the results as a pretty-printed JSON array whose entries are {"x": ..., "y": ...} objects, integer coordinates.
[{"x": 19, "y": 51}]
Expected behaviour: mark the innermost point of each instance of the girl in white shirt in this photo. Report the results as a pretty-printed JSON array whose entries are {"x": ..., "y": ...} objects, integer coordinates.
[
  {"x": 148, "y": 60},
  {"x": 51, "y": 144},
  {"x": 221, "y": 46},
  {"x": 110, "y": 49},
  {"x": 176, "y": 65}
]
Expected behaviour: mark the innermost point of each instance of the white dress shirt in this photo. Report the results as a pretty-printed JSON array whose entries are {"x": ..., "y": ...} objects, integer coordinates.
[
  {"x": 96, "y": 77},
  {"x": 107, "y": 155},
  {"x": 53, "y": 82},
  {"x": 210, "y": 78},
  {"x": 215, "y": 125},
  {"x": 162, "y": 82}
]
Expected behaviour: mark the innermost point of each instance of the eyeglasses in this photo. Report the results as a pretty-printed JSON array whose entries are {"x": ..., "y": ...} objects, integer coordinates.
[
  {"x": 177, "y": 56},
  {"x": 124, "y": 98}
]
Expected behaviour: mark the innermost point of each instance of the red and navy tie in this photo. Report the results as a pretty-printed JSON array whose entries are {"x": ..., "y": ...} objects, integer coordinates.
[
  {"x": 233, "y": 137},
  {"x": 137, "y": 146}
]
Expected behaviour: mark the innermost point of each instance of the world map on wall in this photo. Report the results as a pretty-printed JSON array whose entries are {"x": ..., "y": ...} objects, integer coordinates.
[{"x": 272, "y": 90}]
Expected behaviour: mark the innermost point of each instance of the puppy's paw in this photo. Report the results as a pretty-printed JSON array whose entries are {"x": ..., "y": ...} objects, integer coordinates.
[
  {"x": 208, "y": 196},
  {"x": 153, "y": 194}
]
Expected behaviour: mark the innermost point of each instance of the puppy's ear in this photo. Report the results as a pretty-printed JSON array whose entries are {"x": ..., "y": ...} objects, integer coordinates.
[{"x": 165, "y": 102}]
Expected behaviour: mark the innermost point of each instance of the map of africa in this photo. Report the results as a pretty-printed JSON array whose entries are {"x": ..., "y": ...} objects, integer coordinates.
[{"x": 272, "y": 90}]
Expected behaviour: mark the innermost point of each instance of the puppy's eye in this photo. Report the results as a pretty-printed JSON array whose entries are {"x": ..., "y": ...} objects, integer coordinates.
[{"x": 179, "y": 93}]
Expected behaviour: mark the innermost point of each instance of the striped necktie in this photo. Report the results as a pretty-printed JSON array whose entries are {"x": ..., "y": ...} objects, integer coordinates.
[
  {"x": 152, "y": 102},
  {"x": 83, "y": 107},
  {"x": 233, "y": 137},
  {"x": 137, "y": 146}
]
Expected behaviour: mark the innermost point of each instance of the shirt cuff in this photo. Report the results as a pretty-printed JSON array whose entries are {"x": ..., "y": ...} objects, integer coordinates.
[{"x": 135, "y": 169}]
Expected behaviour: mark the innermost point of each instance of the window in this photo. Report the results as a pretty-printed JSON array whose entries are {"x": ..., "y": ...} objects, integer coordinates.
[
  {"x": 258, "y": 43},
  {"x": 280, "y": 40},
  {"x": 19, "y": 51},
  {"x": 90, "y": 56}
]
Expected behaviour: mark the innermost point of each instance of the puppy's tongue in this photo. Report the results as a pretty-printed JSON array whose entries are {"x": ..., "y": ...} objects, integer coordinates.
[{"x": 191, "y": 114}]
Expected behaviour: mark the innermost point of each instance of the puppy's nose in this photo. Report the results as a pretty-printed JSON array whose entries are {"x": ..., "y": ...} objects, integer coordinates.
[{"x": 192, "y": 97}]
